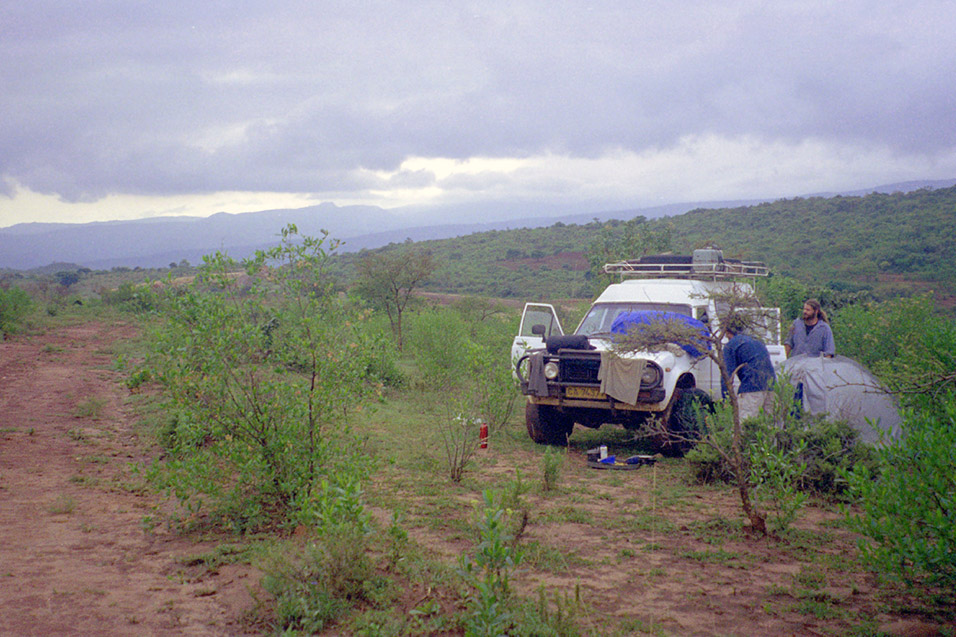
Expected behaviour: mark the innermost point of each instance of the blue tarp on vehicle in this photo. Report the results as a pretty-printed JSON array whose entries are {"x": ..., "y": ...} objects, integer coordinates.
[{"x": 625, "y": 321}]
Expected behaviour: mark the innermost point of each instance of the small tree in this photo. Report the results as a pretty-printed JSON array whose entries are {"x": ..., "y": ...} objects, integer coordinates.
[
  {"x": 624, "y": 240},
  {"x": 15, "y": 304},
  {"x": 739, "y": 306},
  {"x": 67, "y": 278},
  {"x": 260, "y": 378},
  {"x": 386, "y": 280}
]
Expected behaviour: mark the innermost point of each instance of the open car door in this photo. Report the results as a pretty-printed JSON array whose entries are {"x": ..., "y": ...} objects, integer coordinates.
[{"x": 538, "y": 322}]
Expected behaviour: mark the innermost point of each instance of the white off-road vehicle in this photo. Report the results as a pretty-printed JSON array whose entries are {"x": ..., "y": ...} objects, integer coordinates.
[{"x": 573, "y": 378}]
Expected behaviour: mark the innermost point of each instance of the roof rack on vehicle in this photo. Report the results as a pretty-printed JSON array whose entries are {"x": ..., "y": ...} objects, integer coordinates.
[{"x": 705, "y": 264}]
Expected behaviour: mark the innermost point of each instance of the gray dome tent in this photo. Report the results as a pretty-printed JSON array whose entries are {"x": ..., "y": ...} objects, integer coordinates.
[{"x": 842, "y": 389}]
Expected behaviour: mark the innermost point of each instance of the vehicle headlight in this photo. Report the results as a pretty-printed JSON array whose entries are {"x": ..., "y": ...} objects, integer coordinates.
[
  {"x": 551, "y": 370},
  {"x": 651, "y": 377}
]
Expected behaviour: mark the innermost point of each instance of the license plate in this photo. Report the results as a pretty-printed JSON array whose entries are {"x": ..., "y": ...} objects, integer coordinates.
[{"x": 584, "y": 392}]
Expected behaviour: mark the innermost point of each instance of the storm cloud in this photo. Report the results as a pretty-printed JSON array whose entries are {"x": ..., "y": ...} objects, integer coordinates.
[{"x": 651, "y": 101}]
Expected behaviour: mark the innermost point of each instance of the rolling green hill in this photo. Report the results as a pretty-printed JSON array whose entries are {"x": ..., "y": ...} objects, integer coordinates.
[
  {"x": 889, "y": 243},
  {"x": 863, "y": 240}
]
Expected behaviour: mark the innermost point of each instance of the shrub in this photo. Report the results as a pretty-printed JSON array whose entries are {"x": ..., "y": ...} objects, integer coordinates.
[
  {"x": 775, "y": 471},
  {"x": 909, "y": 507},
  {"x": 131, "y": 297},
  {"x": 828, "y": 449},
  {"x": 464, "y": 358},
  {"x": 459, "y": 432},
  {"x": 905, "y": 342},
  {"x": 489, "y": 571},
  {"x": 438, "y": 341},
  {"x": 462, "y": 366},
  {"x": 551, "y": 464},
  {"x": 260, "y": 378},
  {"x": 15, "y": 305},
  {"x": 313, "y": 583}
]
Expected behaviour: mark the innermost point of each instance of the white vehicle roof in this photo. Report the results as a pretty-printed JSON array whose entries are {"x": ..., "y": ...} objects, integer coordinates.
[{"x": 678, "y": 291}]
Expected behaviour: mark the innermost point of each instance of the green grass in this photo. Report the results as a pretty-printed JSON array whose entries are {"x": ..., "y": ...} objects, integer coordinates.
[
  {"x": 711, "y": 557},
  {"x": 567, "y": 514},
  {"x": 551, "y": 559},
  {"x": 62, "y": 505},
  {"x": 91, "y": 408},
  {"x": 86, "y": 481},
  {"x": 637, "y": 626},
  {"x": 717, "y": 530},
  {"x": 222, "y": 554},
  {"x": 643, "y": 521}
]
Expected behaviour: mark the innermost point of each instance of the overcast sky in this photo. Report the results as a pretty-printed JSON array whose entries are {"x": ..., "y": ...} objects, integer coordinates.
[{"x": 126, "y": 109}]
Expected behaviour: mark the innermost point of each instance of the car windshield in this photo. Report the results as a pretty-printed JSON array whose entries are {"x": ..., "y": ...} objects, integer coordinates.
[{"x": 601, "y": 315}]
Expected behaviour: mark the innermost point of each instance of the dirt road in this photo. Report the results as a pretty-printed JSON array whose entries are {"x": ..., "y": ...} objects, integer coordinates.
[{"x": 75, "y": 555}]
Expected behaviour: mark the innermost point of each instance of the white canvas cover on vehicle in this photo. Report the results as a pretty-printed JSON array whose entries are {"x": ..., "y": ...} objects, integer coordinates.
[{"x": 843, "y": 389}]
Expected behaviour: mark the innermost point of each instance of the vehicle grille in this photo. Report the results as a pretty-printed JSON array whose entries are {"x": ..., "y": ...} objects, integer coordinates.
[{"x": 579, "y": 370}]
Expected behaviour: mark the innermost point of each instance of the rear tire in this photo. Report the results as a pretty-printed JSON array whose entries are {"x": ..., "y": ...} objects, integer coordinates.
[{"x": 546, "y": 425}]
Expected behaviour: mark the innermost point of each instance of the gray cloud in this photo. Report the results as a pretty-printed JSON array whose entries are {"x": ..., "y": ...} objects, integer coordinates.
[{"x": 107, "y": 97}]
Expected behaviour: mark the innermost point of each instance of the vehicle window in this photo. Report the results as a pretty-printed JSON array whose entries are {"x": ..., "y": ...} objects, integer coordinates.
[
  {"x": 600, "y": 317},
  {"x": 765, "y": 324},
  {"x": 534, "y": 316}
]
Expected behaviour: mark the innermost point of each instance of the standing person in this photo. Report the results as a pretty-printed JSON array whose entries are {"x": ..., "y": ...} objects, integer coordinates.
[
  {"x": 810, "y": 334},
  {"x": 749, "y": 359}
]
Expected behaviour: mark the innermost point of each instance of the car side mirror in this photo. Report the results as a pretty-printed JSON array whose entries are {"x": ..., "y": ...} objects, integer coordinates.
[{"x": 538, "y": 330}]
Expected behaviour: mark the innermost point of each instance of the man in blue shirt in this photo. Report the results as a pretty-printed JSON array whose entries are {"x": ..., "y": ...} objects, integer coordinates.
[
  {"x": 749, "y": 359},
  {"x": 810, "y": 334}
]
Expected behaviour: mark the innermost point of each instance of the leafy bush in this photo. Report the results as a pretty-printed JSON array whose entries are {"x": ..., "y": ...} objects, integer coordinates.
[
  {"x": 438, "y": 340},
  {"x": 131, "y": 297},
  {"x": 314, "y": 584},
  {"x": 15, "y": 305},
  {"x": 827, "y": 449},
  {"x": 775, "y": 472},
  {"x": 909, "y": 506},
  {"x": 464, "y": 371},
  {"x": 489, "y": 571},
  {"x": 260, "y": 376},
  {"x": 905, "y": 342},
  {"x": 459, "y": 354},
  {"x": 552, "y": 462},
  {"x": 380, "y": 361}
]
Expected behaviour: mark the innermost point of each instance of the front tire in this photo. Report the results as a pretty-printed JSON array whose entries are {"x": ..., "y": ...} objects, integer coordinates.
[
  {"x": 546, "y": 425},
  {"x": 686, "y": 424}
]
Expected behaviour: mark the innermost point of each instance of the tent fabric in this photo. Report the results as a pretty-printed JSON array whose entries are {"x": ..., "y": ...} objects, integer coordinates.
[
  {"x": 626, "y": 320},
  {"x": 842, "y": 389}
]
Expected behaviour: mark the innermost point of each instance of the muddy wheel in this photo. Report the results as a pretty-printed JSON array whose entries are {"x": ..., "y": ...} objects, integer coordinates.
[
  {"x": 685, "y": 424},
  {"x": 546, "y": 425}
]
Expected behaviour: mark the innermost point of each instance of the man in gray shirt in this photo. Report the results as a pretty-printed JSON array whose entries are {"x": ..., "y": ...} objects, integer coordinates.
[{"x": 810, "y": 334}]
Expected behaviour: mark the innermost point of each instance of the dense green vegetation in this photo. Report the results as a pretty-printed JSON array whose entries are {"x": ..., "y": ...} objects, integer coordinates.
[
  {"x": 891, "y": 244},
  {"x": 880, "y": 245},
  {"x": 839, "y": 240},
  {"x": 15, "y": 305}
]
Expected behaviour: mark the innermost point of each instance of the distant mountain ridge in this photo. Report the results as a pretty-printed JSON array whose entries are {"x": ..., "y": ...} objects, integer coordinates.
[{"x": 159, "y": 241}]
